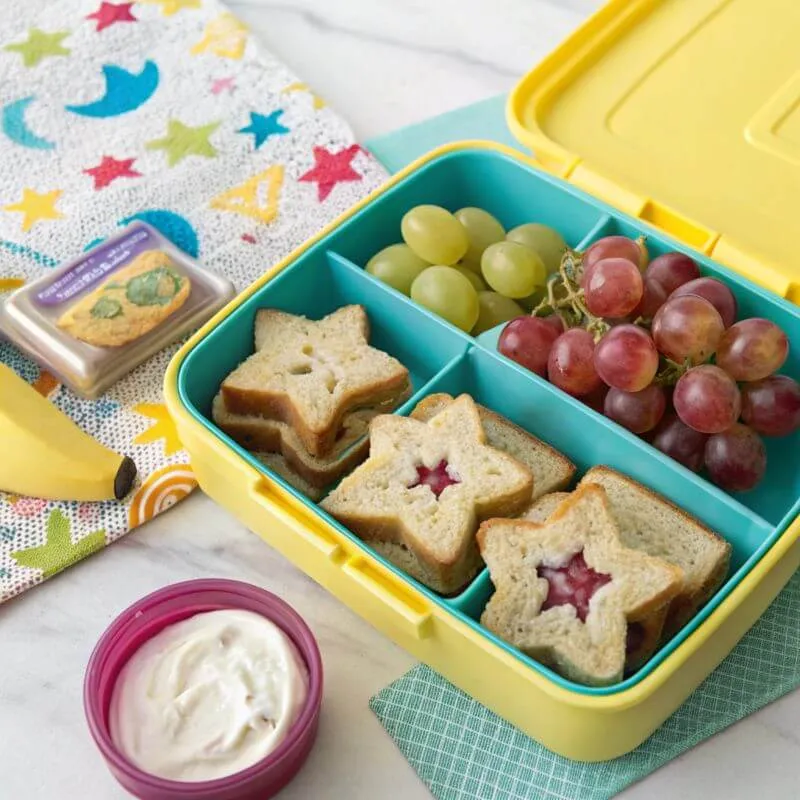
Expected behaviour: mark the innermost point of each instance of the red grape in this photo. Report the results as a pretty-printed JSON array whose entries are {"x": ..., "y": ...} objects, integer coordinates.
[
  {"x": 771, "y": 406},
  {"x": 612, "y": 287},
  {"x": 616, "y": 247},
  {"x": 597, "y": 398},
  {"x": 736, "y": 459},
  {"x": 571, "y": 363},
  {"x": 637, "y": 411},
  {"x": 687, "y": 327},
  {"x": 752, "y": 349},
  {"x": 653, "y": 297},
  {"x": 707, "y": 399},
  {"x": 556, "y": 322},
  {"x": 680, "y": 442},
  {"x": 626, "y": 358},
  {"x": 527, "y": 340},
  {"x": 672, "y": 270},
  {"x": 716, "y": 292}
]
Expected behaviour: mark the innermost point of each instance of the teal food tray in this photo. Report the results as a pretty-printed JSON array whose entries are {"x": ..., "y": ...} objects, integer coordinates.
[{"x": 577, "y": 721}]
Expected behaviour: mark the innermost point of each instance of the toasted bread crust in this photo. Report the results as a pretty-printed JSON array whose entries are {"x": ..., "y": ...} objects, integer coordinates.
[
  {"x": 562, "y": 468},
  {"x": 693, "y": 594},
  {"x": 445, "y": 563},
  {"x": 309, "y": 373},
  {"x": 590, "y": 652},
  {"x": 650, "y": 627},
  {"x": 319, "y": 441}
]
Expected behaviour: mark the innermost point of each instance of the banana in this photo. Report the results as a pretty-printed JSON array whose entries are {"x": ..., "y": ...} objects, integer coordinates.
[{"x": 43, "y": 453}]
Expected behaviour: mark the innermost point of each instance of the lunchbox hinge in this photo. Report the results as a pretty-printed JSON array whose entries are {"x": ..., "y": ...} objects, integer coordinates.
[{"x": 657, "y": 214}]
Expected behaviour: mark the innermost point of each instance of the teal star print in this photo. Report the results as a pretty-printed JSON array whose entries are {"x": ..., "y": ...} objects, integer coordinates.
[{"x": 262, "y": 127}]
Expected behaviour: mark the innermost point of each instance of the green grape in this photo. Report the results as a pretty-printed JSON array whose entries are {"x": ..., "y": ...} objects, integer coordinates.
[
  {"x": 434, "y": 234},
  {"x": 473, "y": 277},
  {"x": 512, "y": 269},
  {"x": 397, "y": 265},
  {"x": 482, "y": 229},
  {"x": 548, "y": 243},
  {"x": 495, "y": 309},
  {"x": 446, "y": 292}
]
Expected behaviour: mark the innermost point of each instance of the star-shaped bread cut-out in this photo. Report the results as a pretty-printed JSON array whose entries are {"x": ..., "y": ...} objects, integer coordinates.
[
  {"x": 309, "y": 373},
  {"x": 40, "y": 45},
  {"x": 183, "y": 140},
  {"x": 544, "y": 574},
  {"x": 427, "y": 485}
]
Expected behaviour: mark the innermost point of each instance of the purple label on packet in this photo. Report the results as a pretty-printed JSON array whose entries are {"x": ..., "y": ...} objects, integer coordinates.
[{"x": 95, "y": 267}]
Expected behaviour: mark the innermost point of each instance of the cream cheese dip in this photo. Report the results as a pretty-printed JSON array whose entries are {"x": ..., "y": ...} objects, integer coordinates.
[{"x": 208, "y": 696}]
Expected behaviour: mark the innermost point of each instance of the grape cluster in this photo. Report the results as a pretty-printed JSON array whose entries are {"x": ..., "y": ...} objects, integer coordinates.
[
  {"x": 466, "y": 268},
  {"x": 656, "y": 347}
]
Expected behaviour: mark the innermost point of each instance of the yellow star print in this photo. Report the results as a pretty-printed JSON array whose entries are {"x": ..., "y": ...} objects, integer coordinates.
[
  {"x": 40, "y": 45},
  {"x": 244, "y": 199},
  {"x": 225, "y": 36},
  {"x": 164, "y": 428},
  {"x": 182, "y": 141},
  {"x": 304, "y": 87},
  {"x": 36, "y": 207},
  {"x": 170, "y": 7}
]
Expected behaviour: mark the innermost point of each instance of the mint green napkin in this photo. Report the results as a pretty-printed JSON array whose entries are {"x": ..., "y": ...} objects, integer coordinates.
[{"x": 463, "y": 751}]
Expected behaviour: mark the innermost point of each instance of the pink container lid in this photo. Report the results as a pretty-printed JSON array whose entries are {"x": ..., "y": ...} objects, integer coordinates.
[{"x": 152, "y": 614}]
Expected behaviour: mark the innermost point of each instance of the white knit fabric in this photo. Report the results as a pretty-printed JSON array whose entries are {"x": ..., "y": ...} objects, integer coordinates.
[{"x": 210, "y": 70}]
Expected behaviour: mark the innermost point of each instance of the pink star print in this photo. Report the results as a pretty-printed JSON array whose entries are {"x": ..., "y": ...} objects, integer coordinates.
[
  {"x": 218, "y": 85},
  {"x": 332, "y": 168},
  {"x": 109, "y": 169},
  {"x": 109, "y": 13}
]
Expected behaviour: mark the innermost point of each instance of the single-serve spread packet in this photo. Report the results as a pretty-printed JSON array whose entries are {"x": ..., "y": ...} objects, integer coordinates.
[{"x": 100, "y": 316}]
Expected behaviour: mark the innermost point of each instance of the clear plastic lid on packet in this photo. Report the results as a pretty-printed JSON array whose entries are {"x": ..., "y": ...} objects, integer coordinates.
[{"x": 94, "y": 320}]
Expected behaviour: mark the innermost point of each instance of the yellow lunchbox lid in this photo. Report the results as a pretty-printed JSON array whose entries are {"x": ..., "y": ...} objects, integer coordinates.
[{"x": 686, "y": 114}]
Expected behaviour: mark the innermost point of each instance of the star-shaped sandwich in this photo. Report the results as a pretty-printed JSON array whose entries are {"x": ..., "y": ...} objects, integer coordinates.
[
  {"x": 566, "y": 589},
  {"x": 419, "y": 497},
  {"x": 310, "y": 373}
]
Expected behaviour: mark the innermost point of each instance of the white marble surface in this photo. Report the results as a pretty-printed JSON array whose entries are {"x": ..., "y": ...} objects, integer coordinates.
[{"x": 383, "y": 64}]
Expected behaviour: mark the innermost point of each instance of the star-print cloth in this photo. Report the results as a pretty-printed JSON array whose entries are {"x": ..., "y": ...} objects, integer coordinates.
[{"x": 170, "y": 112}]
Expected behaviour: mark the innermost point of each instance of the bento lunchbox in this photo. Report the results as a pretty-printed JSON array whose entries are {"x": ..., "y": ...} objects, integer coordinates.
[{"x": 327, "y": 272}]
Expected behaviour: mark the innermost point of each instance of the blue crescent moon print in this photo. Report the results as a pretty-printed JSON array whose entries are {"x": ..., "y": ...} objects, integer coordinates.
[
  {"x": 171, "y": 225},
  {"x": 125, "y": 91},
  {"x": 13, "y": 121}
]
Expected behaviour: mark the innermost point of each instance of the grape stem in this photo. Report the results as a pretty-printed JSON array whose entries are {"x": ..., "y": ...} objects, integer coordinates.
[
  {"x": 571, "y": 306},
  {"x": 671, "y": 372}
]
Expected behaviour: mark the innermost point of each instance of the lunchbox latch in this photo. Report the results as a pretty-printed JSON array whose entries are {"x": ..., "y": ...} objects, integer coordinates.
[
  {"x": 605, "y": 189},
  {"x": 758, "y": 270}
]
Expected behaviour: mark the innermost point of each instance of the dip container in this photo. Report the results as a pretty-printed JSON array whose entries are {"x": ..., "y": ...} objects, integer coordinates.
[{"x": 148, "y": 617}]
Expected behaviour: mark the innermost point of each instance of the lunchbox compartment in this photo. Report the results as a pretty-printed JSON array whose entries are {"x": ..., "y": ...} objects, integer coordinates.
[
  {"x": 773, "y": 498},
  {"x": 329, "y": 274},
  {"x": 317, "y": 284},
  {"x": 589, "y": 439},
  {"x": 463, "y": 178}
]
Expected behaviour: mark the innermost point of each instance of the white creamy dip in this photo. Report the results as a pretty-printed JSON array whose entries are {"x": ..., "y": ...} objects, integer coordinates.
[{"x": 208, "y": 696}]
